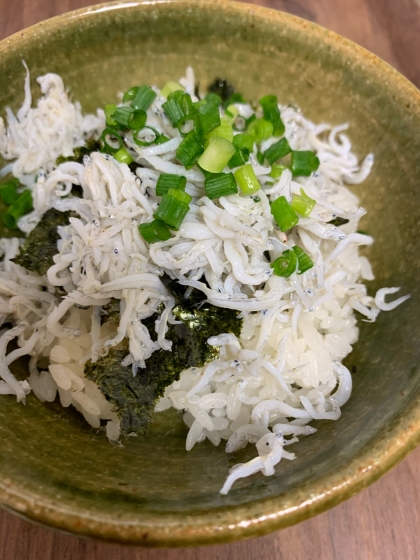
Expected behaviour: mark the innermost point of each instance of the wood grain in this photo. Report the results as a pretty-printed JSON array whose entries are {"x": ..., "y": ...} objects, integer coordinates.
[{"x": 382, "y": 522}]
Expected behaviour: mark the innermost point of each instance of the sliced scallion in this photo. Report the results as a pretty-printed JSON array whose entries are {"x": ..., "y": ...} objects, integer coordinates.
[
  {"x": 223, "y": 131},
  {"x": 168, "y": 181},
  {"x": 247, "y": 180},
  {"x": 109, "y": 111},
  {"x": 207, "y": 118},
  {"x": 304, "y": 260},
  {"x": 155, "y": 231},
  {"x": 276, "y": 170},
  {"x": 213, "y": 98},
  {"x": 137, "y": 120},
  {"x": 285, "y": 265},
  {"x": 231, "y": 112},
  {"x": 162, "y": 139},
  {"x": 240, "y": 157},
  {"x": 302, "y": 204},
  {"x": 123, "y": 156},
  {"x": 173, "y": 208},
  {"x": 143, "y": 99},
  {"x": 271, "y": 113},
  {"x": 179, "y": 108},
  {"x": 19, "y": 208},
  {"x": 220, "y": 184},
  {"x": 260, "y": 129},
  {"x": 260, "y": 158},
  {"x": 277, "y": 151},
  {"x": 8, "y": 191},
  {"x": 283, "y": 213},
  {"x": 130, "y": 94},
  {"x": 112, "y": 141},
  {"x": 242, "y": 141},
  {"x": 190, "y": 150},
  {"x": 216, "y": 155},
  {"x": 304, "y": 163},
  {"x": 142, "y": 142},
  {"x": 169, "y": 88},
  {"x": 122, "y": 116}
]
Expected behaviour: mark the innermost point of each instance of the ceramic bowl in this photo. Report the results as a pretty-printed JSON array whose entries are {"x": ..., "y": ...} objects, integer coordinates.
[{"x": 53, "y": 468}]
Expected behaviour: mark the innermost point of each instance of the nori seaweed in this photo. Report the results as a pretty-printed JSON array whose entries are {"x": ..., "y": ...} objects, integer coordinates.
[
  {"x": 37, "y": 252},
  {"x": 111, "y": 311},
  {"x": 80, "y": 152},
  {"x": 134, "y": 397},
  {"x": 223, "y": 88},
  {"x": 338, "y": 221}
]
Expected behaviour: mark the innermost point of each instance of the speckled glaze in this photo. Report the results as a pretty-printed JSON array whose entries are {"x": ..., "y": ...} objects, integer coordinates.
[{"x": 57, "y": 471}]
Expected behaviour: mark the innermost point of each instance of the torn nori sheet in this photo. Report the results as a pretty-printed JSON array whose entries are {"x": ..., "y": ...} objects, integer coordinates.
[
  {"x": 80, "y": 152},
  {"x": 338, "y": 221},
  {"x": 134, "y": 397},
  {"x": 37, "y": 252},
  {"x": 223, "y": 88}
]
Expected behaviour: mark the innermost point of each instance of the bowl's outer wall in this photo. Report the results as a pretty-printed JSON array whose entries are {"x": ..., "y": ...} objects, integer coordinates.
[{"x": 54, "y": 469}]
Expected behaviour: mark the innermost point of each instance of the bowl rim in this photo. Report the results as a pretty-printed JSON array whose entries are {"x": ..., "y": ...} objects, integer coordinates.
[{"x": 258, "y": 518}]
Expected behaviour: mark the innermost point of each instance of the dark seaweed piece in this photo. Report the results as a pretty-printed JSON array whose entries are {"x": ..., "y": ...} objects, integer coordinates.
[
  {"x": 111, "y": 311},
  {"x": 37, "y": 252},
  {"x": 338, "y": 221},
  {"x": 80, "y": 152},
  {"x": 134, "y": 397},
  {"x": 77, "y": 190},
  {"x": 178, "y": 292},
  {"x": 223, "y": 88}
]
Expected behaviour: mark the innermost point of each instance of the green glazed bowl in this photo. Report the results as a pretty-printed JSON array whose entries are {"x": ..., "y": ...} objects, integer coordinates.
[{"x": 53, "y": 468}]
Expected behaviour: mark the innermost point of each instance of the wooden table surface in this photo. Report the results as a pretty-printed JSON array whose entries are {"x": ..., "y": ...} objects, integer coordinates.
[{"x": 381, "y": 523}]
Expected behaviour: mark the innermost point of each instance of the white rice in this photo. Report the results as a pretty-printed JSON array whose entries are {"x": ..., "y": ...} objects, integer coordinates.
[{"x": 285, "y": 369}]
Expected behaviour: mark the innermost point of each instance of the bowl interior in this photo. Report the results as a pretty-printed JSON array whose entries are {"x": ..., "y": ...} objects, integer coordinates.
[{"x": 53, "y": 467}]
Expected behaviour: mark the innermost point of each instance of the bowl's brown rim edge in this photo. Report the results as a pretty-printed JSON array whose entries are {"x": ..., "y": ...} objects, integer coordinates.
[{"x": 246, "y": 521}]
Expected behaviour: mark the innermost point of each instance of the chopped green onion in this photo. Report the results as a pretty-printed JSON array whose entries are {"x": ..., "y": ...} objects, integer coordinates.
[
  {"x": 130, "y": 94},
  {"x": 271, "y": 113},
  {"x": 123, "y": 156},
  {"x": 143, "y": 99},
  {"x": 247, "y": 179},
  {"x": 244, "y": 141},
  {"x": 260, "y": 129},
  {"x": 162, "y": 139},
  {"x": 122, "y": 115},
  {"x": 220, "y": 184},
  {"x": 109, "y": 111},
  {"x": 284, "y": 214},
  {"x": 304, "y": 261},
  {"x": 302, "y": 204},
  {"x": 260, "y": 158},
  {"x": 213, "y": 98},
  {"x": 169, "y": 88},
  {"x": 286, "y": 264},
  {"x": 8, "y": 191},
  {"x": 155, "y": 231},
  {"x": 250, "y": 119},
  {"x": 140, "y": 142},
  {"x": 173, "y": 208},
  {"x": 240, "y": 157},
  {"x": 107, "y": 134},
  {"x": 19, "y": 208},
  {"x": 189, "y": 150},
  {"x": 200, "y": 103},
  {"x": 137, "y": 120},
  {"x": 168, "y": 181},
  {"x": 180, "y": 195},
  {"x": 234, "y": 98},
  {"x": 304, "y": 162},
  {"x": 277, "y": 151},
  {"x": 179, "y": 108},
  {"x": 276, "y": 170},
  {"x": 207, "y": 118},
  {"x": 223, "y": 131},
  {"x": 231, "y": 112},
  {"x": 216, "y": 155}
]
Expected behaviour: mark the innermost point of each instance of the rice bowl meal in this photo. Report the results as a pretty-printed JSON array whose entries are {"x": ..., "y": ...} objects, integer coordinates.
[{"x": 183, "y": 249}]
